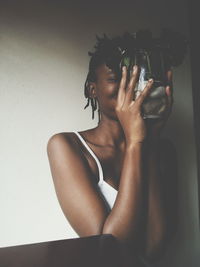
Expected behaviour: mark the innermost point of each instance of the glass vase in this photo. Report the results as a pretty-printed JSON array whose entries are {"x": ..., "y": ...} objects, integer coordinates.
[{"x": 151, "y": 65}]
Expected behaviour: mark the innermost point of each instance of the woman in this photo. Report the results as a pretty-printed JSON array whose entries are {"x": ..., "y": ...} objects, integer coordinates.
[{"x": 118, "y": 178}]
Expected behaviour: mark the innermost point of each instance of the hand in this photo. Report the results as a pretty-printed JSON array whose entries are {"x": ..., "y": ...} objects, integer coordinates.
[
  {"x": 155, "y": 126},
  {"x": 129, "y": 110}
]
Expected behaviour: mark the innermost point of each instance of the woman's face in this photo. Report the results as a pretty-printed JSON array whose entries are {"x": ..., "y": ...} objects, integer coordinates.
[{"x": 107, "y": 86}]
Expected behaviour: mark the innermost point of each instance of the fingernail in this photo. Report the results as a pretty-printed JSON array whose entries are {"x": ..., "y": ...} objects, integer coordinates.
[
  {"x": 134, "y": 68},
  {"x": 124, "y": 68},
  {"x": 168, "y": 91},
  {"x": 151, "y": 80}
]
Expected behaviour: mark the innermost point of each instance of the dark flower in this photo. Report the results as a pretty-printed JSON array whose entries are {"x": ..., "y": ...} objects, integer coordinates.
[
  {"x": 141, "y": 48},
  {"x": 174, "y": 46}
]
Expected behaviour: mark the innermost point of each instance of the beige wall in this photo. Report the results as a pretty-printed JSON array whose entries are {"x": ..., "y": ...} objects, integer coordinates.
[{"x": 43, "y": 66}]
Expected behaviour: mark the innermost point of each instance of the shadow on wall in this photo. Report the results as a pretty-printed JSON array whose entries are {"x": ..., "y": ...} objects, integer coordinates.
[{"x": 180, "y": 130}]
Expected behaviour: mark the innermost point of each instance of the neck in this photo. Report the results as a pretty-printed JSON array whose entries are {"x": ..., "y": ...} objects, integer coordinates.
[{"x": 110, "y": 132}]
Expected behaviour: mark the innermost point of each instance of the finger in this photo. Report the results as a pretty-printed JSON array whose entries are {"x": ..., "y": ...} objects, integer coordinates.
[
  {"x": 169, "y": 77},
  {"x": 144, "y": 93},
  {"x": 169, "y": 95},
  {"x": 122, "y": 87},
  {"x": 168, "y": 91},
  {"x": 130, "y": 92},
  {"x": 169, "y": 100}
]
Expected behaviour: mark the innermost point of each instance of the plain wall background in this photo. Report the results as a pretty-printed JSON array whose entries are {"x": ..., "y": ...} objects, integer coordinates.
[{"x": 43, "y": 66}]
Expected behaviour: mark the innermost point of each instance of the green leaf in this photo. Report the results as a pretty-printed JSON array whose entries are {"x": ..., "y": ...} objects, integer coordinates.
[{"x": 126, "y": 61}]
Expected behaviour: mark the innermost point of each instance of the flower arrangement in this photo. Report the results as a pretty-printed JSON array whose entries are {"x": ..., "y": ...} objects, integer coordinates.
[{"x": 156, "y": 54}]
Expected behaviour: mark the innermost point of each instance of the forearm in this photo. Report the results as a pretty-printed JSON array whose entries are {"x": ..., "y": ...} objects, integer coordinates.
[
  {"x": 124, "y": 219},
  {"x": 156, "y": 216}
]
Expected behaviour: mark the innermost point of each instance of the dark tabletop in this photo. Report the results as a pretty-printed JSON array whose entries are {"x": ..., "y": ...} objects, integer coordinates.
[{"x": 95, "y": 251}]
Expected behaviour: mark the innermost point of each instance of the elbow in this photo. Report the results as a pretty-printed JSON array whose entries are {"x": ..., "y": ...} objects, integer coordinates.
[
  {"x": 109, "y": 231},
  {"x": 114, "y": 234},
  {"x": 88, "y": 232},
  {"x": 122, "y": 237},
  {"x": 96, "y": 228}
]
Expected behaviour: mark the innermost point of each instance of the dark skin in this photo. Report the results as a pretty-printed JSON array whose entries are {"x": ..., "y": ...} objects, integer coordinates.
[{"x": 135, "y": 161}]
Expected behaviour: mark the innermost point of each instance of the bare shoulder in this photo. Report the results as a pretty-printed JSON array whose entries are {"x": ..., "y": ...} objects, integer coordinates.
[
  {"x": 63, "y": 140},
  {"x": 63, "y": 149}
]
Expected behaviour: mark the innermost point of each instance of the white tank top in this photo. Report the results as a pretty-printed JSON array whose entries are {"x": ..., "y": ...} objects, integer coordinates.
[{"x": 109, "y": 193}]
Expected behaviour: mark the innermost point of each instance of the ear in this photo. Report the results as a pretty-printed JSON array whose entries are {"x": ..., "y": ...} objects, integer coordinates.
[{"x": 92, "y": 92}]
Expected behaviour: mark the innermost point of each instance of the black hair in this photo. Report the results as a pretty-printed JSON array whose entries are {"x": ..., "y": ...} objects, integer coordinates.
[{"x": 106, "y": 52}]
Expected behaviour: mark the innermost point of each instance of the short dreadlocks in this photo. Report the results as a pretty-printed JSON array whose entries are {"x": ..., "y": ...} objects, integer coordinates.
[{"x": 107, "y": 51}]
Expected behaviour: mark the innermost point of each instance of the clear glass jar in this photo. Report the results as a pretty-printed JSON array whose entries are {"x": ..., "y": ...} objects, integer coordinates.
[{"x": 152, "y": 66}]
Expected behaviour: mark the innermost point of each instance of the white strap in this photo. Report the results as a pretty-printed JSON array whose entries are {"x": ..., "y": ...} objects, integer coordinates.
[{"x": 94, "y": 156}]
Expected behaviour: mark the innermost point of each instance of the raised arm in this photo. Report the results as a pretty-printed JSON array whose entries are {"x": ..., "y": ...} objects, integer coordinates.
[{"x": 125, "y": 220}]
